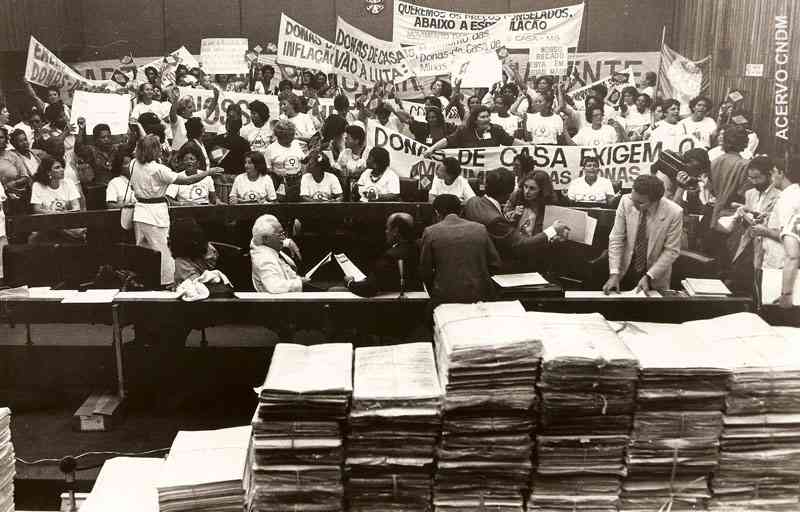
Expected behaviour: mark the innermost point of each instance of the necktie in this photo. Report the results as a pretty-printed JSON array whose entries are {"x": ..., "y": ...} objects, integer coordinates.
[{"x": 640, "y": 247}]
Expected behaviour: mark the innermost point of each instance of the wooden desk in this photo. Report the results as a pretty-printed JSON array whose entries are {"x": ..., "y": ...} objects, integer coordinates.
[{"x": 663, "y": 309}]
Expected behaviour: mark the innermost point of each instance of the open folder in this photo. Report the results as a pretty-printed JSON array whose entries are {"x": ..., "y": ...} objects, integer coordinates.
[
  {"x": 581, "y": 225},
  {"x": 348, "y": 268}
]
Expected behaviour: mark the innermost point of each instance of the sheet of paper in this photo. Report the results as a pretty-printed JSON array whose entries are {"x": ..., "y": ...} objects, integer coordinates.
[
  {"x": 323, "y": 261},
  {"x": 155, "y": 294},
  {"x": 348, "y": 268},
  {"x": 575, "y": 219},
  {"x": 514, "y": 280},
  {"x": 125, "y": 484},
  {"x": 478, "y": 70},
  {"x": 591, "y": 226},
  {"x": 299, "y": 368},
  {"x": 96, "y": 108},
  {"x": 48, "y": 293},
  {"x": 395, "y": 372},
  {"x": 594, "y": 294},
  {"x": 104, "y": 296},
  {"x": 224, "y": 55}
]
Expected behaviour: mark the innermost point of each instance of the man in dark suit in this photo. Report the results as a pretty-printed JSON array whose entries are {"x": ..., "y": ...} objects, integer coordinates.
[
  {"x": 457, "y": 256},
  {"x": 401, "y": 255},
  {"x": 514, "y": 246}
]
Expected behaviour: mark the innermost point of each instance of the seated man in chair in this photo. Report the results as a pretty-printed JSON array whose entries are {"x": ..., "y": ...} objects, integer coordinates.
[{"x": 273, "y": 270}]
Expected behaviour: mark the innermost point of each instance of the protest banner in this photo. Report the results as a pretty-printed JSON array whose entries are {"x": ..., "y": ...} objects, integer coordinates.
[
  {"x": 548, "y": 60},
  {"x": 44, "y": 68},
  {"x": 482, "y": 70},
  {"x": 214, "y": 119},
  {"x": 301, "y": 47},
  {"x": 615, "y": 83},
  {"x": 618, "y": 162},
  {"x": 370, "y": 59},
  {"x": 167, "y": 67},
  {"x": 224, "y": 55},
  {"x": 96, "y": 108},
  {"x": 417, "y": 25}
]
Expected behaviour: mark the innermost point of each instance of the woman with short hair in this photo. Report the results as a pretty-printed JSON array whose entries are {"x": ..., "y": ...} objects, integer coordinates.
[
  {"x": 285, "y": 159},
  {"x": 149, "y": 181}
]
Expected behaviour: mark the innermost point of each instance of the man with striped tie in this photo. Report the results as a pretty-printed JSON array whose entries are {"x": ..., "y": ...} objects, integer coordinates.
[{"x": 645, "y": 240}]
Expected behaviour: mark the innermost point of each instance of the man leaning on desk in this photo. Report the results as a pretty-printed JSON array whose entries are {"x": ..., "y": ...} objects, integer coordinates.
[{"x": 645, "y": 240}]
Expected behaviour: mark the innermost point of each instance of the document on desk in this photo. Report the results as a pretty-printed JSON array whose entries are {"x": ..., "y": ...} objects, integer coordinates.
[
  {"x": 101, "y": 296},
  {"x": 302, "y": 369},
  {"x": 316, "y": 267},
  {"x": 516, "y": 280},
  {"x": 154, "y": 294},
  {"x": 125, "y": 484},
  {"x": 45, "y": 292},
  {"x": 348, "y": 268},
  {"x": 581, "y": 225},
  {"x": 599, "y": 294}
]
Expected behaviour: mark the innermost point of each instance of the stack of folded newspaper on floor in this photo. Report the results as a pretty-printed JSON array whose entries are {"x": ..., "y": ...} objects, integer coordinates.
[
  {"x": 205, "y": 471},
  {"x": 759, "y": 465},
  {"x": 394, "y": 425},
  {"x": 7, "y": 462},
  {"x": 297, "y": 450},
  {"x": 678, "y": 421},
  {"x": 488, "y": 356},
  {"x": 587, "y": 385}
]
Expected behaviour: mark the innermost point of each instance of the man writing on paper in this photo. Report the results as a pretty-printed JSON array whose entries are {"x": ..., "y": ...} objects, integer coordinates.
[
  {"x": 645, "y": 240},
  {"x": 273, "y": 270},
  {"x": 396, "y": 269},
  {"x": 457, "y": 256}
]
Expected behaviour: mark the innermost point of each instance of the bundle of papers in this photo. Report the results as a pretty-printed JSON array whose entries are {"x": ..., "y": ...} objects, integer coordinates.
[
  {"x": 7, "y": 462},
  {"x": 675, "y": 438},
  {"x": 488, "y": 356},
  {"x": 394, "y": 424},
  {"x": 760, "y": 442},
  {"x": 587, "y": 386},
  {"x": 125, "y": 484},
  {"x": 205, "y": 471},
  {"x": 696, "y": 287},
  {"x": 297, "y": 449}
]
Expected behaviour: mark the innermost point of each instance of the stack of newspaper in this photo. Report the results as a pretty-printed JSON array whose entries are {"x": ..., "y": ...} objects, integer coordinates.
[
  {"x": 125, "y": 484},
  {"x": 587, "y": 386},
  {"x": 297, "y": 450},
  {"x": 7, "y": 462},
  {"x": 394, "y": 424},
  {"x": 760, "y": 449},
  {"x": 205, "y": 471},
  {"x": 489, "y": 357},
  {"x": 678, "y": 421}
]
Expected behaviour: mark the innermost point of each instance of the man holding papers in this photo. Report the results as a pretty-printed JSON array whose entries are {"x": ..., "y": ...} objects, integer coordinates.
[
  {"x": 273, "y": 270},
  {"x": 646, "y": 238}
]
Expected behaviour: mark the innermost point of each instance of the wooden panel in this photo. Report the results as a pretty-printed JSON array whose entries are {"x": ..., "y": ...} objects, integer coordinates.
[
  {"x": 189, "y": 21},
  {"x": 112, "y": 29},
  {"x": 627, "y": 25},
  {"x": 261, "y": 18},
  {"x": 53, "y": 22}
]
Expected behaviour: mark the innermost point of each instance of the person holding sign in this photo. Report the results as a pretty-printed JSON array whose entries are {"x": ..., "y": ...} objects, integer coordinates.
[
  {"x": 477, "y": 132},
  {"x": 645, "y": 240},
  {"x": 254, "y": 185},
  {"x": 378, "y": 182}
]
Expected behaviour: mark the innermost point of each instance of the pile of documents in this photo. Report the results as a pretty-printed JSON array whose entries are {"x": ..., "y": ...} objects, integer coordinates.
[
  {"x": 678, "y": 421},
  {"x": 394, "y": 424},
  {"x": 205, "y": 471},
  {"x": 760, "y": 449},
  {"x": 297, "y": 449},
  {"x": 7, "y": 462},
  {"x": 587, "y": 385},
  {"x": 488, "y": 356},
  {"x": 125, "y": 484},
  {"x": 696, "y": 287}
]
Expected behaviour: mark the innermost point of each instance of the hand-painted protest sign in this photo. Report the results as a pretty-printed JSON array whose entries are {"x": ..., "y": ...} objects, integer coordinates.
[
  {"x": 45, "y": 69},
  {"x": 96, "y": 108},
  {"x": 418, "y": 25},
  {"x": 224, "y": 55},
  {"x": 299, "y": 46},
  {"x": 614, "y": 83},
  {"x": 438, "y": 58},
  {"x": 621, "y": 162},
  {"x": 548, "y": 60},
  {"x": 370, "y": 59},
  {"x": 482, "y": 70},
  {"x": 214, "y": 117},
  {"x": 167, "y": 67}
]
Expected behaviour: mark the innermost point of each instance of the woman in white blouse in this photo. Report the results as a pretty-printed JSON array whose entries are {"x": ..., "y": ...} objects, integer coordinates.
[
  {"x": 149, "y": 181},
  {"x": 254, "y": 185}
]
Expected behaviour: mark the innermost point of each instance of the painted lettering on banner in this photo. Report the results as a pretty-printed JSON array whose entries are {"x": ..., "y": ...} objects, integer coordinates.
[{"x": 224, "y": 55}]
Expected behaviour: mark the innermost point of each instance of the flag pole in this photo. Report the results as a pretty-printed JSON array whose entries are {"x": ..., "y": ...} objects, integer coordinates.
[{"x": 658, "y": 72}]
